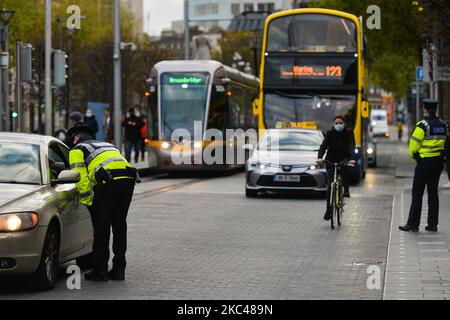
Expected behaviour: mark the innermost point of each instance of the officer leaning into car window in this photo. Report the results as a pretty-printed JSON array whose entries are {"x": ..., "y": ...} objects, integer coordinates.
[
  {"x": 426, "y": 147},
  {"x": 106, "y": 188}
]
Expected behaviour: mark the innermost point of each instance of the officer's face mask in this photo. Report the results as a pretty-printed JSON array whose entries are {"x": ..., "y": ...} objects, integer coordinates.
[
  {"x": 89, "y": 114},
  {"x": 339, "y": 126}
]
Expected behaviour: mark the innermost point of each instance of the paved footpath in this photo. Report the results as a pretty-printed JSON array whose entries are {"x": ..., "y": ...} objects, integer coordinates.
[{"x": 418, "y": 264}]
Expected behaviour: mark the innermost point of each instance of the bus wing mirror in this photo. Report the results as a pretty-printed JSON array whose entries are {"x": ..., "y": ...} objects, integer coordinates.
[
  {"x": 365, "y": 109},
  {"x": 256, "y": 107}
]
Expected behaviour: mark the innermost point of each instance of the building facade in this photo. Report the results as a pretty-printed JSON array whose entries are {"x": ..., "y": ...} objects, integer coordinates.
[{"x": 209, "y": 13}]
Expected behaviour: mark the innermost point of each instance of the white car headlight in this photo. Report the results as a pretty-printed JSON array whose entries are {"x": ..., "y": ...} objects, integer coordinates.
[
  {"x": 370, "y": 150},
  {"x": 258, "y": 165},
  {"x": 13, "y": 222},
  {"x": 165, "y": 145},
  {"x": 312, "y": 167}
]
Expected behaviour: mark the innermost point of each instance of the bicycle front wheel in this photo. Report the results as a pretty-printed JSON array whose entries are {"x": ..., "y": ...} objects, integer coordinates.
[{"x": 333, "y": 205}]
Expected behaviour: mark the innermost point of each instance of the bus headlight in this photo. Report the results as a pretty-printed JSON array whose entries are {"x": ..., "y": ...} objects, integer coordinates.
[
  {"x": 165, "y": 145},
  {"x": 13, "y": 222}
]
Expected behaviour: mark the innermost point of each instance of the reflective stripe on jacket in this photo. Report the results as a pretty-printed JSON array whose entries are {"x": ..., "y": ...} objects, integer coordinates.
[
  {"x": 87, "y": 158},
  {"x": 428, "y": 139}
]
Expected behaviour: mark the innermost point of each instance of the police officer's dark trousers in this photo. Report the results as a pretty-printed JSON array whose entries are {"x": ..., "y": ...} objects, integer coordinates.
[
  {"x": 110, "y": 209},
  {"x": 427, "y": 173}
]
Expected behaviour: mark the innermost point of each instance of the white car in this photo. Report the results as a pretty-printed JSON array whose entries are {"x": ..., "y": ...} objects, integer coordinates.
[
  {"x": 379, "y": 123},
  {"x": 285, "y": 159}
]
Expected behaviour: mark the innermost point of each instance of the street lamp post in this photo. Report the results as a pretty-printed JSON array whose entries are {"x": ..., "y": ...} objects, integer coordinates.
[
  {"x": 117, "y": 77},
  {"x": 186, "y": 29},
  {"x": 48, "y": 75},
  {"x": 5, "y": 17}
]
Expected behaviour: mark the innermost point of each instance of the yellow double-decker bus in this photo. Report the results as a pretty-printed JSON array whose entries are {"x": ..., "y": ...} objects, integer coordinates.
[{"x": 314, "y": 67}]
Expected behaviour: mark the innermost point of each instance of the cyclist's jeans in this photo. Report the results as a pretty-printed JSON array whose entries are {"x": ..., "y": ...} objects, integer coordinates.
[{"x": 343, "y": 171}]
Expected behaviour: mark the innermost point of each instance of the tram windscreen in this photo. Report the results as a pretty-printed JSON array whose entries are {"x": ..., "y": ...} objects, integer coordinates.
[{"x": 183, "y": 101}]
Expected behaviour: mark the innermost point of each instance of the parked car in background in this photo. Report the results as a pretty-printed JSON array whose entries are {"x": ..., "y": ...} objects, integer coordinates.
[
  {"x": 379, "y": 123},
  {"x": 42, "y": 223}
]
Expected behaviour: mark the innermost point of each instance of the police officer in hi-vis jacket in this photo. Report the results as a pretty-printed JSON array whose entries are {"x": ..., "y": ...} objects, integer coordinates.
[
  {"x": 427, "y": 147},
  {"x": 106, "y": 188}
]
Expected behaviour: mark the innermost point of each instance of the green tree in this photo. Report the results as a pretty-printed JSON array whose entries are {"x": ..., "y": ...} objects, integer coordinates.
[{"x": 395, "y": 49}]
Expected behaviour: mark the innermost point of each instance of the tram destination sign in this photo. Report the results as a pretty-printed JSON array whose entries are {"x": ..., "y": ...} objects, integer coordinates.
[{"x": 180, "y": 79}]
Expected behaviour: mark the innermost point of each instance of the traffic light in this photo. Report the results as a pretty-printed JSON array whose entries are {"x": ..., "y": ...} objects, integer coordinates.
[
  {"x": 26, "y": 63},
  {"x": 59, "y": 68},
  {"x": 14, "y": 115}
]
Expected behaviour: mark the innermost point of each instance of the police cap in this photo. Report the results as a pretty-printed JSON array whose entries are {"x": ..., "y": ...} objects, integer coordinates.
[
  {"x": 81, "y": 128},
  {"x": 430, "y": 103}
]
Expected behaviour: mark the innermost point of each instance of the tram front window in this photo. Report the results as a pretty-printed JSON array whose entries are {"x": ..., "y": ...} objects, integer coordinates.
[
  {"x": 183, "y": 101},
  {"x": 283, "y": 107}
]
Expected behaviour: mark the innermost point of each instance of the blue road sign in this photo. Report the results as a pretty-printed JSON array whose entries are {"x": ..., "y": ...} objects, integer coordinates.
[{"x": 419, "y": 74}]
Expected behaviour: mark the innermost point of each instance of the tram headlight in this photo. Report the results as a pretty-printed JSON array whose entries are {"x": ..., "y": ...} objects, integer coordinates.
[
  {"x": 197, "y": 145},
  {"x": 165, "y": 145}
]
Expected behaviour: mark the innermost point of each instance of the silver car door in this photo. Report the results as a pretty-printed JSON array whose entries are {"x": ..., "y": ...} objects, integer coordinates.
[{"x": 66, "y": 196}]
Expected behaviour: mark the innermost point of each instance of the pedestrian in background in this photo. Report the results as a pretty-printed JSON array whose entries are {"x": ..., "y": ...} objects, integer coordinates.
[
  {"x": 132, "y": 125},
  {"x": 144, "y": 136},
  {"x": 400, "y": 131},
  {"x": 427, "y": 148},
  {"x": 90, "y": 120},
  {"x": 106, "y": 188}
]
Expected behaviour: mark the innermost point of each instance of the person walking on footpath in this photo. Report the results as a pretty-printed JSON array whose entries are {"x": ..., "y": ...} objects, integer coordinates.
[
  {"x": 427, "y": 148},
  {"x": 132, "y": 125}
]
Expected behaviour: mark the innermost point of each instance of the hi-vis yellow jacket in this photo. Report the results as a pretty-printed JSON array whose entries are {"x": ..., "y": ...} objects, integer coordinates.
[
  {"x": 428, "y": 139},
  {"x": 87, "y": 158}
]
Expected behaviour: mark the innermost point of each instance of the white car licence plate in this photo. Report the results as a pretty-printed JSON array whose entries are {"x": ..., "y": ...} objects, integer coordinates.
[{"x": 286, "y": 178}]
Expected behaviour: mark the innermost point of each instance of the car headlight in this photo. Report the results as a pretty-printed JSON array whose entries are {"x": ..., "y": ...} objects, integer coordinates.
[
  {"x": 312, "y": 167},
  {"x": 165, "y": 145},
  {"x": 258, "y": 165},
  {"x": 13, "y": 222},
  {"x": 370, "y": 150}
]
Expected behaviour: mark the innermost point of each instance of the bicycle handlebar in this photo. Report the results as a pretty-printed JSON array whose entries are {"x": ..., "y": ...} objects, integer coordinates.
[{"x": 342, "y": 163}]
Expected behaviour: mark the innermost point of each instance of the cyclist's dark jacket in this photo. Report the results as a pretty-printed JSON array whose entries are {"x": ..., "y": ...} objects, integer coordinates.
[{"x": 339, "y": 146}]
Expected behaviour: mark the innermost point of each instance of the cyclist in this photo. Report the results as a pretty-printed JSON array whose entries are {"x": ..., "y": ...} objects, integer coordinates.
[{"x": 339, "y": 144}]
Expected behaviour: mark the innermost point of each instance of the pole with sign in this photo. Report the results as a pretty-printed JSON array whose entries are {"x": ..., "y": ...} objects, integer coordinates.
[{"x": 419, "y": 78}]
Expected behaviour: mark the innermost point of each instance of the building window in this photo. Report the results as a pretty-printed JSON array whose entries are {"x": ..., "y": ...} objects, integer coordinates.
[
  {"x": 206, "y": 9},
  {"x": 249, "y": 7},
  {"x": 235, "y": 9},
  {"x": 267, "y": 6}
]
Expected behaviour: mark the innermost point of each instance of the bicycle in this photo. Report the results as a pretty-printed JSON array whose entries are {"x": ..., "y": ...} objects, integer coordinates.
[{"x": 337, "y": 202}]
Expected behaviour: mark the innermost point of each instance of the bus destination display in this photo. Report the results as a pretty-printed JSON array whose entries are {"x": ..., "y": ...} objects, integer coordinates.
[{"x": 333, "y": 72}]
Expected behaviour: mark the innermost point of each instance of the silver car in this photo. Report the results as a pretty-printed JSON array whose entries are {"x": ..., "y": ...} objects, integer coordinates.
[
  {"x": 42, "y": 223},
  {"x": 285, "y": 159}
]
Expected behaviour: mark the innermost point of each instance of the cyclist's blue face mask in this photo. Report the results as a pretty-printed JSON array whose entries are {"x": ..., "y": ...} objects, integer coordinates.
[{"x": 339, "y": 127}]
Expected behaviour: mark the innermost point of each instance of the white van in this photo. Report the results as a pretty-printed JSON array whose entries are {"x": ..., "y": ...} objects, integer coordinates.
[{"x": 379, "y": 123}]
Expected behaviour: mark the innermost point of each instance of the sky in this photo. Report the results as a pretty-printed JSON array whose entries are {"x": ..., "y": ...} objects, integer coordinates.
[{"x": 162, "y": 13}]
